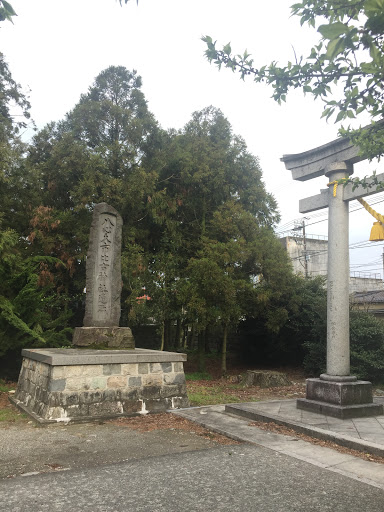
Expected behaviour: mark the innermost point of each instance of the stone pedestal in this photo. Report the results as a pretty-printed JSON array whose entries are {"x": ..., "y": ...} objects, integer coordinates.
[
  {"x": 104, "y": 337},
  {"x": 77, "y": 385},
  {"x": 340, "y": 397}
]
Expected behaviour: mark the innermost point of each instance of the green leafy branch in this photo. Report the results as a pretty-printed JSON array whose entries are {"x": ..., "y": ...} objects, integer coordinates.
[
  {"x": 7, "y": 312},
  {"x": 6, "y": 11},
  {"x": 367, "y": 182},
  {"x": 350, "y": 52}
]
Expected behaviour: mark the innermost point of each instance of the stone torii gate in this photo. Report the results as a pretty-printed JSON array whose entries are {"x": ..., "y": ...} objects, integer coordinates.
[{"x": 336, "y": 393}]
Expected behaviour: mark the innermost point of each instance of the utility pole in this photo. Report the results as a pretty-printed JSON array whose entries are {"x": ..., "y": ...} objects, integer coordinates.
[
  {"x": 305, "y": 250},
  {"x": 302, "y": 228}
]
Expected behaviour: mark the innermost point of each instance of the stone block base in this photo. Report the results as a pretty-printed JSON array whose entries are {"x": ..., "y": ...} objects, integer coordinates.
[
  {"x": 341, "y": 412},
  {"x": 266, "y": 378},
  {"x": 104, "y": 337},
  {"x": 77, "y": 385},
  {"x": 344, "y": 399}
]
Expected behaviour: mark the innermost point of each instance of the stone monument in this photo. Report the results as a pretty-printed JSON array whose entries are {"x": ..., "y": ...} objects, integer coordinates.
[
  {"x": 336, "y": 393},
  {"x": 72, "y": 385},
  {"x": 103, "y": 285}
]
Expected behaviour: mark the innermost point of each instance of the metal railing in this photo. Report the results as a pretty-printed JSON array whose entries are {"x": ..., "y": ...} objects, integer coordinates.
[
  {"x": 297, "y": 234},
  {"x": 365, "y": 275}
]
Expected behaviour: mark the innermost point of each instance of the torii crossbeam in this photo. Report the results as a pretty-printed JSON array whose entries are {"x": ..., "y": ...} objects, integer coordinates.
[{"x": 335, "y": 393}]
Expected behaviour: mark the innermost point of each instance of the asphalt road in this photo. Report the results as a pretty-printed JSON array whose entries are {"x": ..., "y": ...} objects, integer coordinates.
[
  {"x": 227, "y": 478},
  {"x": 28, "y": 449}
]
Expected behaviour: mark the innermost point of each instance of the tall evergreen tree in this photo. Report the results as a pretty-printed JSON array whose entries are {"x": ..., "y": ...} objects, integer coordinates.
[
  {"x": 213, "y": 218},
  {"x": 197, "y": 218},
  {"x": 104, "y": 150}
]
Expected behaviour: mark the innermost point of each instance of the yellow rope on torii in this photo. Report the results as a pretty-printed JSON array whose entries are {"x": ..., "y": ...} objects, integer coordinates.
[
  {"x": 377, "y": 232},
  {"x": 377, "y": 216},
  {"x": 334, "y": 183}
]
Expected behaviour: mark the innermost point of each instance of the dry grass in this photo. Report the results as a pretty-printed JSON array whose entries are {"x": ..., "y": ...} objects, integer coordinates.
[
  {"x": 166, "y": 421},
  {"x": 230, "y": 389},
  {"x": 9, "y": 413}
]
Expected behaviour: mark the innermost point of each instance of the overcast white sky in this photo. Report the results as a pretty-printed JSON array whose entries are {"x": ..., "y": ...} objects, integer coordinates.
[{"x": 57, "y": 47}]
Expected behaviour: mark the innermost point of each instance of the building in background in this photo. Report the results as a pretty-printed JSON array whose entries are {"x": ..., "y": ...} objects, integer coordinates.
[
  {"x": 309, "y": 256},
  {"x": 371, "y": 302}
]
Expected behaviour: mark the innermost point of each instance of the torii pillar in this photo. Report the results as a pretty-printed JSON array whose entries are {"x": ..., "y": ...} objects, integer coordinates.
[{"x": 336, "y": 393}]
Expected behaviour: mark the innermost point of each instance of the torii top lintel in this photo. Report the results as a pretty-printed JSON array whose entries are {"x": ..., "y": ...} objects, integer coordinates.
[{"x": 313, "y": 163}]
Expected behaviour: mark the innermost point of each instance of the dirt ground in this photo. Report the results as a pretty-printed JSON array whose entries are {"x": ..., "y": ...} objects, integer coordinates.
[
  {"x": 233, "y": 384},
  {"x": 165, "y": 421},
  {"x": 4, "y": 402}
]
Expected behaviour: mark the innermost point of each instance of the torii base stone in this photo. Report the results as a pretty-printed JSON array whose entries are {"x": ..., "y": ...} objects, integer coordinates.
[{"x": 340, "y": 399}]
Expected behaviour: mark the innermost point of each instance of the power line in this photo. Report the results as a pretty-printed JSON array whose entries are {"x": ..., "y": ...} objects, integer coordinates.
[
  {"x": 284, "y": 227},
  {"x": 357, "y": 245}
]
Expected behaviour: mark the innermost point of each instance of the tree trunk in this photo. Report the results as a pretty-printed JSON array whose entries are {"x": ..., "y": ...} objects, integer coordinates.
[
  {"x": 192, "y": 344},
  {"x": 224, "y": 351},
  {"x": 167, "y": 334},
  {"x": 204, "y": 210},
  {"x": 162, "y": 336},
  {"x": 201, "y": 351},
  {"x": 206, "y": 336},
  {"x": 178, "y": 340},
  {"x": 185, "y": 335}
]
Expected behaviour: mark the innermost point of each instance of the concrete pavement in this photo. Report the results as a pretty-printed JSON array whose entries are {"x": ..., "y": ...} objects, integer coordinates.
[
  {"x": 108, "y": 468},
  {"x": 363, "y": 434},
  {"x": 242, "y": 477}
]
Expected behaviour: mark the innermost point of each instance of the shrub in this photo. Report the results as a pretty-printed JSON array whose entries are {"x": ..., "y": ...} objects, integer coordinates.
[
  {"x": 306, "y": 320},
  {"x": 367, "y": 348}
]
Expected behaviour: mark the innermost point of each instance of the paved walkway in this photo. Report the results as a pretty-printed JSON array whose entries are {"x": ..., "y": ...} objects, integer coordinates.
[
  {"x": 363, "y": 434},
  {"x": 368, "y": 433}
]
